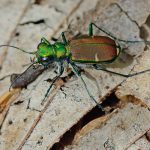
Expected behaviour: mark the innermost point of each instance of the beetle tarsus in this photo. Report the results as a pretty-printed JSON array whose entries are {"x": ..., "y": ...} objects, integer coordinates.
[
  {"x": 97, "y": 104},
  {"x": 100, "y": 107}
]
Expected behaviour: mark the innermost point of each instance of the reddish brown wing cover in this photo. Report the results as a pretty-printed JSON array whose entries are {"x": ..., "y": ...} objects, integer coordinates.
[{"x": 93, "y": 49}]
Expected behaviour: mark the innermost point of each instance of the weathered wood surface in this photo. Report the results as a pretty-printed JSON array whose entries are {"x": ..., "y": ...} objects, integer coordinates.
[
  {"x": 26, "y": 124},
  {"x": 120, "y": 132}
]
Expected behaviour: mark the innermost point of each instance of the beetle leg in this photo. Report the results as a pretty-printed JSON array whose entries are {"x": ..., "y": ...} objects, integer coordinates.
[
  {"x": 76, "y": 71},
  {"x": 44, "y": 40},
  {"x": 64, "y": 38},
  {"x": 76, "y": 36},
  {"x": 120, "y": 74},
  {"x": 101, "y": 29},
  {"x": 111, "y": 35},
  {"x": 91, "y": 29},
  {"x": 61, "y": 70},
  {"x": 65, "y": 41}
]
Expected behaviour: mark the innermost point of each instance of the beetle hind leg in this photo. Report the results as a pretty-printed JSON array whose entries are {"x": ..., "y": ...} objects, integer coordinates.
[
  {"x": 75, "y": 69},
  {"x": 120, "y": 74},
  {"x": 111, "y": 35}
]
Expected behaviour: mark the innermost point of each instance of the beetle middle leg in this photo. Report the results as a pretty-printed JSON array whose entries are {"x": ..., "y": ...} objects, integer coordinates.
[
  {"x": 75, "y": 69},
  {"x": 61, "y": 70},
  {"x": 64, "y": 38},
  {"x": 101, "y": 29}
]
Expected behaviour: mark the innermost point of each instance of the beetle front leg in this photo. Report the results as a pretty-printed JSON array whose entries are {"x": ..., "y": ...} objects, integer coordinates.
[{"x": 61, "y": 70}]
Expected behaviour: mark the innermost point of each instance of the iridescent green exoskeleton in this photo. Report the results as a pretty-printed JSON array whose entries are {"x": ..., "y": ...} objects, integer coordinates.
[{"x": 85, "y": 49}]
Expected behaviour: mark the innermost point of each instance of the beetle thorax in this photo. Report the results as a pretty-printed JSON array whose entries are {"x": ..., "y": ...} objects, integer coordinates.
[{"x": 60, "y": 50}]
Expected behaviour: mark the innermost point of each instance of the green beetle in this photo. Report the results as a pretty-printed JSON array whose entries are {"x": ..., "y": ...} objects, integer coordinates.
[{"x": 85, "y": 49}]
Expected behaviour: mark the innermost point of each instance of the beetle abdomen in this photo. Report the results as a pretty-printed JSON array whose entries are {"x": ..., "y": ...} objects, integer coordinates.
[{"x": 93, "y": 49}]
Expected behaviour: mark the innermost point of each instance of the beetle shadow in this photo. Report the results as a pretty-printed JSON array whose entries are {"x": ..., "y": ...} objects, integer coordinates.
[
  {"x": 124, "y": 60},
  {"x": 90, "y": 77}
]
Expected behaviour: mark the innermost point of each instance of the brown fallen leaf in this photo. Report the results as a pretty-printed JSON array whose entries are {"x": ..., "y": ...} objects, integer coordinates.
[{"x": 6, "y": 97}]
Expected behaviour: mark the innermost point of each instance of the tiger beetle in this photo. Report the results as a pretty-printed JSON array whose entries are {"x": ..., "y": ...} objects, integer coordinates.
[{"x": 83, "y": 49}]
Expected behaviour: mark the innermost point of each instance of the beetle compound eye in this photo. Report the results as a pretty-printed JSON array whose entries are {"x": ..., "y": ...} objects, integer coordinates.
[{"x": 45, "y": 60}]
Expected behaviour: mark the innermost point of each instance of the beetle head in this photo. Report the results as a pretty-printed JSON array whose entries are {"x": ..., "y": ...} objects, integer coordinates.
[{"x": 45, "y": 52}]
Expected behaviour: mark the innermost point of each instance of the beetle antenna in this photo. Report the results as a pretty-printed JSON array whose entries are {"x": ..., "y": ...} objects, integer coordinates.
[
  {"x": 18, "y": 49},
  {"x": 74, "y": 67},
  {"x": 5, "y": 77}
]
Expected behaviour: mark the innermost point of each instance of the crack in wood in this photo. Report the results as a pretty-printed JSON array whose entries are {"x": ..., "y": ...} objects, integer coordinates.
[
  {"x": 32, "y": 109},
  {"x": 40, "y": 21},
  {"x": 38, "y": 2},
  {"x": 68, "y": 137}
]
